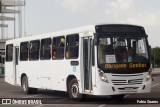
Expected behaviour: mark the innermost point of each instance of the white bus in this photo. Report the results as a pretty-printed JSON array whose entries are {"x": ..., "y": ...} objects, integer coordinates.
[{"x": 108, "y": 59}]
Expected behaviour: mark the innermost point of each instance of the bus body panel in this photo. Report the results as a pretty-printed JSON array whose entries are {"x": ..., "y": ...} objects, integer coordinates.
[
  {"x": 61, "y": 70},
  {"x": 32, "y": 71},
  {"x": 51, "y": 74},
  {"x": 9, "y": 72}
]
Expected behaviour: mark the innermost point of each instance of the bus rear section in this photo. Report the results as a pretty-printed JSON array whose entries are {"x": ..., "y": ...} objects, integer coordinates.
[
  {"x": 11, "y": 62},
  {"x": 123, "y": 60}
]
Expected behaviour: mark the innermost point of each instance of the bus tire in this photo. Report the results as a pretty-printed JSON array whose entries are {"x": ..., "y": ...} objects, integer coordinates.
[
  {"x": 73, "y": 90},
  {"x": 26, "y": 88},
  {"x": 33, "y": 90}
]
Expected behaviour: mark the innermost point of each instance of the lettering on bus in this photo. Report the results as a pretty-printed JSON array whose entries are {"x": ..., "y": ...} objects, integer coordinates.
[
  {"x": 116, "y": 66},
  {"x": 123, "y": 66},
  {"x": 138, "y": 65}
]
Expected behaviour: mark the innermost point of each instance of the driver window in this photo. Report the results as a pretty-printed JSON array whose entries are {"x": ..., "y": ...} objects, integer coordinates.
[{"x": 106, "y": 51}]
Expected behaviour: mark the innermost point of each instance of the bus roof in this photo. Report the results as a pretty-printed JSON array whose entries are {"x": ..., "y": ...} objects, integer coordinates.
[{"x": 88, "y": 28}]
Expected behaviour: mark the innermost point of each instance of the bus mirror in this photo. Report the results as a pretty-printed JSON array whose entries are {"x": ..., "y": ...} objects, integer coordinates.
[{"x": 95, "y": 41}]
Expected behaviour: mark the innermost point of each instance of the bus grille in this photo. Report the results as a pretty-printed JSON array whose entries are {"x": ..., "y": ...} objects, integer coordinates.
[{"x": 127, "y": 82}]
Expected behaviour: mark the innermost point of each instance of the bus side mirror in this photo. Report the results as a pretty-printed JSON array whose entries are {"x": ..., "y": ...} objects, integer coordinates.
[{"x": 95, "y": 41}]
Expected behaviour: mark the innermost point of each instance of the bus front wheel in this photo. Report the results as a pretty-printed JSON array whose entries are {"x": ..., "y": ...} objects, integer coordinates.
[
  {"x": 26, "y": 88},
  {"x": 73, "y": 90}
]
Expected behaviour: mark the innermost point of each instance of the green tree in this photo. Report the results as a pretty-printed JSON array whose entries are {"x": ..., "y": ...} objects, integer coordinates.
[{"x": 155, "y": 56}]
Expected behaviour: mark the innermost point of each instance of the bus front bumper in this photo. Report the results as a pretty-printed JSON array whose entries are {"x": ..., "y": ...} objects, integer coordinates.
[{"x": 104, "y": 88}]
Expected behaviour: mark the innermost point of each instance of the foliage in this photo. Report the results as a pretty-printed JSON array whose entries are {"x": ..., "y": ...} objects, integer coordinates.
[{"x": 155, "y": 56}]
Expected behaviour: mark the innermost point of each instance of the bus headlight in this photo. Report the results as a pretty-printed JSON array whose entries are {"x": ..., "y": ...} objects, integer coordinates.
[
  {"x": 149, "y": 75},
  {"x": 103, "y": 76}
]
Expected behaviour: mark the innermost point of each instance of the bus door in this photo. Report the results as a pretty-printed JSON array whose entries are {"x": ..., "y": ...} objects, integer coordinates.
[
  {"x": 87, "y": 63},
  {"x": 16, "y": 55}
]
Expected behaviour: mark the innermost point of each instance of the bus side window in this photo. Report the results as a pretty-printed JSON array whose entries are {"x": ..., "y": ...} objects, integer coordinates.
[
  {"x": 9, "y": 53},
  {"x": 72, "y": 46},
  {"x": 34, "y": 50},
  {"x": 58, "y": 47},
  {"x": 45, "y": 52},
  {"x": 24, "y": 51}
]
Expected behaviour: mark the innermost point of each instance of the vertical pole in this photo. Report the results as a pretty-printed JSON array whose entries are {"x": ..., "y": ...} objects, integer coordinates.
[
  {"x": 7, "y": 33},
  {"x": 14, "y": 22},
  {"x": 1, "y": 20},
  {"x": 2, "y": 28},
  {"x": 20, "y": 21},
  {"x": 25, "y": 32}
]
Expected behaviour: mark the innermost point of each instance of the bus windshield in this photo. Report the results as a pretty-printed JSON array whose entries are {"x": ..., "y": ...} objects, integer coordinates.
[{"x": 122, "y": 49}]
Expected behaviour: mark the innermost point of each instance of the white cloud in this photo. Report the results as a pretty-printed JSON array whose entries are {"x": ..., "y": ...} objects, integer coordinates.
[
  {"x": 118, "y": 6},
  {"x": 74, "y": 5},
  {"x": 113, "y": 11},
  {"x": 125, "y": 11},
  {"x": 146, "y": 19}
]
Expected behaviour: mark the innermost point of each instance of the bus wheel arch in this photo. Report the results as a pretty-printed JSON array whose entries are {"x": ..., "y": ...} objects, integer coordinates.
[{"x": 69, "y": 78}]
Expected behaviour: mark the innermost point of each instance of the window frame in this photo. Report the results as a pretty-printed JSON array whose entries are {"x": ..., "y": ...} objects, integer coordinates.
[
  {"x": 76, "y": 45},
  {"x": 7, "y": 55},
  {"x": 58, "y": 48},
  {"x": 24, "y": 52},
  {"x": 45, "y": 49},
  {"x": 30, "y": 51}
]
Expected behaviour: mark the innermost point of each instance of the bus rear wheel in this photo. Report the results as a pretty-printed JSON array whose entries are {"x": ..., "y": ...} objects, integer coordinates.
[
  {"x": 73, "y": 90},
  {"x": 26, "y": 88}
]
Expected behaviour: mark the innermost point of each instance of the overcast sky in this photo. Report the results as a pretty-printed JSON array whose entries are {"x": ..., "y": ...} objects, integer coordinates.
[{"x": 43, "y": 16}]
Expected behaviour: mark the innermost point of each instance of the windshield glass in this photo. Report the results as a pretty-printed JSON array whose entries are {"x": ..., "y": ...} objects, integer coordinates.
[{"x": 122, "y": 50}]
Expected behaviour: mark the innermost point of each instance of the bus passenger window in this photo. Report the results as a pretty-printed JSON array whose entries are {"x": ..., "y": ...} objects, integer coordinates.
[
  {"x": 24, "y": 51},
  {"x": 45, "y": 52},
  {"x": 72, "y": 46},
  {"x": 34, "y": 50},
  {"x": 58, "y": 47},
  {"x": 9, "y": 53}
]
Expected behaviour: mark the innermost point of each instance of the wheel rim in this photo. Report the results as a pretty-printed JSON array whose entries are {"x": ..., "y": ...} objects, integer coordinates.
[{"x": 75, "y": 90}]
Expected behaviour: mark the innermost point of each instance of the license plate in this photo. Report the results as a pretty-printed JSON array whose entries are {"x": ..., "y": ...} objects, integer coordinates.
[{"x": 129, "y": 88}]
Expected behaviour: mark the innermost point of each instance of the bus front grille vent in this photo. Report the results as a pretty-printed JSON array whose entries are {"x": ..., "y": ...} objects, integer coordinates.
[{"x": 127, "y": 82}]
